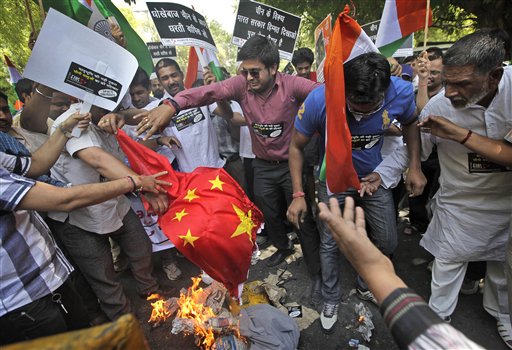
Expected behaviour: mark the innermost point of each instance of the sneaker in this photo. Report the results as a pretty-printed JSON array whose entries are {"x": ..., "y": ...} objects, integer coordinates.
[
  {"x": 469, "y": 286},
  {"x": 172, "y": 271},
  {"x": 206, "y": 278},
  {"x": 329, "y": 317},
  {"x": 365, "y": 294},
  {"x": 504, "y": 334}
]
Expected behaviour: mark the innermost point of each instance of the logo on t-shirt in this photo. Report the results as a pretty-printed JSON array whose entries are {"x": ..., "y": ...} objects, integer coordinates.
[
  {"x": 478, "y": 164},
  {"x": 362, "y": 142},
  {"x": 268, "y": 130},
  {"x": 188, "y": 118},
  {"x": 386, "y": 121}
]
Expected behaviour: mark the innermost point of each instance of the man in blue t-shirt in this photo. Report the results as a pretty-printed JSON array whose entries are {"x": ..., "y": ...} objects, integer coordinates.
[{"x": 373, "y": 100}]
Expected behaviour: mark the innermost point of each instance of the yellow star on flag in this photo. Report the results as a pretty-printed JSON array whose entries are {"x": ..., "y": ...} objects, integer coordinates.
[
  {"x": 179, "y": 215},
  {"x": 191, "y": 195},
  {"x": 216, "y": 183},
  {"x": 246, "y": 224},
  {"x": 189, "y": 239}
]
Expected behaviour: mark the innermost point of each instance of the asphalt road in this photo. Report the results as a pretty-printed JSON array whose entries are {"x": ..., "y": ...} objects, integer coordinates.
[{"x": 410, "y": 262}]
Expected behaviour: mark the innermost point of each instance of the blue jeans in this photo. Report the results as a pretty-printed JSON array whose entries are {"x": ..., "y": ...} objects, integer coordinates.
[{"x": 380, "y": 217}]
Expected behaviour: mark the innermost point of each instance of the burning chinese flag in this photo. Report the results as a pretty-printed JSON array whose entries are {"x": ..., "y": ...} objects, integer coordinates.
[{"x": 210, "y": 220}]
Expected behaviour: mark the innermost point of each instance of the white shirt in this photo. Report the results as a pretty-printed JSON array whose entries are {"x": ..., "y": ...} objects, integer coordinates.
[
  {"x": 471, "y": 210},
  {"x": 101, "y": 218}
]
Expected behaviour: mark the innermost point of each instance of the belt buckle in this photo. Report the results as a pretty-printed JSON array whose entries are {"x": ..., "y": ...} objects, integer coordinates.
[{"x": 275, "y": 162}]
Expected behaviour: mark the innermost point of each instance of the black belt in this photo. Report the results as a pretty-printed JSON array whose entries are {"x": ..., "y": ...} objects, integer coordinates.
[{"x": 274, "y": 162}]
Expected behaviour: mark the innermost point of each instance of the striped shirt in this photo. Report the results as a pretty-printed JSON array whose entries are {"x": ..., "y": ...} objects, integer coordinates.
[{"x": 32, "y": 266}]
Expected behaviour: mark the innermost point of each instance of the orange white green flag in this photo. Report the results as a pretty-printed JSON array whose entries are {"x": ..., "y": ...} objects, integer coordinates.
[
  {"x": 348, "y": 41},
  {"x": 400, "y": 18}
]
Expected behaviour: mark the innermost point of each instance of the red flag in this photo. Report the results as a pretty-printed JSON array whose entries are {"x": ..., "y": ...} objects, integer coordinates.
[
  {"x": 211, "y": 221},
  {"x": 347, "y": 41}
]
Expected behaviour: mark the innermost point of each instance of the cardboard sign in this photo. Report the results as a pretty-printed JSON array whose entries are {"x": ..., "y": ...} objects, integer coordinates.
[
  {"x": 158, "y": 50},
  {"x": 77, "y": 61},
  {"x": 279, "y": 26},
  {"x": 405, "y": 50},
  {"x": 322, "y": 37},
  {"x": 180, "y": 26}
]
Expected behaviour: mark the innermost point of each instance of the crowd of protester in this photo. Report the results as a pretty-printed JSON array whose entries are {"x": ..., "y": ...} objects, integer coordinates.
[{"x": 433, "y": 131}]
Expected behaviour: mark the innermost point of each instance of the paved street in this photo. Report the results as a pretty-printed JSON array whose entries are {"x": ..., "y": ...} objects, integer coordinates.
[{"x": 410, "y": 263}]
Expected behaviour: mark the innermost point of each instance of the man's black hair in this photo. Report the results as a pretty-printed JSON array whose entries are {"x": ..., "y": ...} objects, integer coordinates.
[
  {"x": 260, "y": 48},
  {"x": 434, "y": 53},
  {"x": 4, "y": 96},
  {"x": 24, "y": 86},
  {"x": 302, "y": 55},
  {"x": 166, "y": 62},
  {"x": 141, "y": 78},
  {"x": 366, "y": 78},
  {"x": 484, "y": 50}
]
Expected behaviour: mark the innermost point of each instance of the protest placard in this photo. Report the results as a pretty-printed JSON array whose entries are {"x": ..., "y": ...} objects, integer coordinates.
[
  {"x": 322, "y": 36},
  {"x": 75, "y": 60},
  {"x": 179, "y": 25},
  {"x": 405, "y": 50},
  {"x": 279, "y": 26},
  {"x": 159, "y": 50}
]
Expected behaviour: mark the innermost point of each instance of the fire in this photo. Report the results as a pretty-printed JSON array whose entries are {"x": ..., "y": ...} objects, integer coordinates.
[
  {"x": 190, "y": 307},
  {"x": 160, "y": 311}
]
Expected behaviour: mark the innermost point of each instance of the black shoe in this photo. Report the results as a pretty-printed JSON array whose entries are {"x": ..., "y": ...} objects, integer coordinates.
[
  {"x": 316, "y": 290},
  {"x": 165, "y": 293},
  {"x": 279, "y": 256}
]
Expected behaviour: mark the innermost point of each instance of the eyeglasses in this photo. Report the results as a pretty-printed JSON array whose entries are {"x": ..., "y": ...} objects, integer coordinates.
[
  {"x": 254, "y": 72},
  {"x": 365, "y": 114}
]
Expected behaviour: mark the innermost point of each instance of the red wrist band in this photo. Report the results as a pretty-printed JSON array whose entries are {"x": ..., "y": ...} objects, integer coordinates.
[
  {"x": 467, "y": 137},
  {"x": 298, "y": 194}
]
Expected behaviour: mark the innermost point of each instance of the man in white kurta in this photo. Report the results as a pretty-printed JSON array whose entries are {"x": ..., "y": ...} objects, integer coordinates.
[{"x": 472, "y": 208}]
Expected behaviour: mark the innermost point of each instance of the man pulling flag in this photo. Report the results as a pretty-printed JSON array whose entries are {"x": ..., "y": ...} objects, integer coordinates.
[{"x": 352, "y": 112}]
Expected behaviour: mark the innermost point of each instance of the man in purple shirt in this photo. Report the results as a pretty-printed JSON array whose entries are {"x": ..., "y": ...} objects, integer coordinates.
[{"x": 269, "y": 100}]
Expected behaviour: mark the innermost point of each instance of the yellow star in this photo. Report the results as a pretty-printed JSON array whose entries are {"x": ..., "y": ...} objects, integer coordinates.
[
  {"x": 191, "y": 195},
  {"x": 189, "y": 239},
  {"x": 246, "y": 224},
  {"x": 216, "y": 183},
  {"x": 179, "y": 215}
]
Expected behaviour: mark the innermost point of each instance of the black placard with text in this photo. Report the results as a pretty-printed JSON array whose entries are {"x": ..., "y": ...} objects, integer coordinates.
[
  {"x": 158, "y": 50},
  {"x": 179, "y": 25},
  {"x": 279, "y": 26}
]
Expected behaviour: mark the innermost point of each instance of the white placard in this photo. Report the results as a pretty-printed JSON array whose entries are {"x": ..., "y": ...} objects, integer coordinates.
[{"x": 75, "y": 60}]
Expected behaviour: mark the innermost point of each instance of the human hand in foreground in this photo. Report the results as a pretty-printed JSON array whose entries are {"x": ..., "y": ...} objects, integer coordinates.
[
  {"x": 415, "y": 182},
  {"x": 349, "y": 232},
  {"x": 169, "y": 141},
  {"x": 155, "y": 120},
  {"x": 111, "y": 122},
  {"x": 370, "y": 184},
  {"x": 82, "y": 121},
  {"x": 442, "y": 127},
  {"x": 150, "y": 183}
]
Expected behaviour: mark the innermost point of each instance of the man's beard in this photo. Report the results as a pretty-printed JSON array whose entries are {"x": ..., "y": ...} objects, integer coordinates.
[
  {"x": 472, "y": 100},
  {"x": 158, "y": 94}
]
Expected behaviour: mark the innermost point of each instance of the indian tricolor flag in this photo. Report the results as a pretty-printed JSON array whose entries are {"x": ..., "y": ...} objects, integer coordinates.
[
  {"x": 196, "y": 64},
  {"x": 348, "y": 41},
  {"x": 400, "y": 18}
]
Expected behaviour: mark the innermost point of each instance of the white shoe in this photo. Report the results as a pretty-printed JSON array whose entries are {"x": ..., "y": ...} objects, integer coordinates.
[
  {"x": 172, "y": 271},
  {"x": 329, "y": 317},
  {"x": 206, "y": 278}
]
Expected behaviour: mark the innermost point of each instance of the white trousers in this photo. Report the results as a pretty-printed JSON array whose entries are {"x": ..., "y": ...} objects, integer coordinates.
[{"x": 447, "y": 278}]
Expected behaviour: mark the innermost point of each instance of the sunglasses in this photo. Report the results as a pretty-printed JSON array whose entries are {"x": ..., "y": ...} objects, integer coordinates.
[
  {"x": 254, "y": 72},
  {"x": 365, "y": 114}
]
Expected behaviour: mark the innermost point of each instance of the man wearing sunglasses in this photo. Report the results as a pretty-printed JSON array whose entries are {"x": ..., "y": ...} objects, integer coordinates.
[
  {"x": 269, "y": 101},
  {"x": 373, "y": 99}
]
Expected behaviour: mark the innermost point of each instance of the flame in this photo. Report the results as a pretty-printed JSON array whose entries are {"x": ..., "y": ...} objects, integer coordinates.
[
  {"x": 160, "y": 311},
  {"x": 190, "y": 307}
]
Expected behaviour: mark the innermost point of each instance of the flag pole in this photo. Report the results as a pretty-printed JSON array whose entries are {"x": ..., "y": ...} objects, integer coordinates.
[
  {"x": 30, "y": 16},
  {"x": 425, "y": 34},
  {"x": 42, "y": 10}
]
